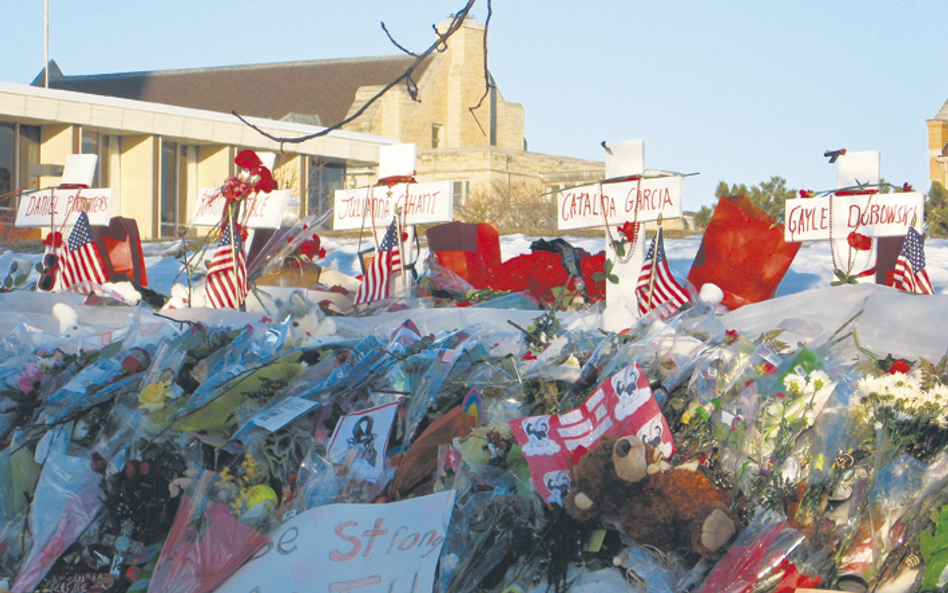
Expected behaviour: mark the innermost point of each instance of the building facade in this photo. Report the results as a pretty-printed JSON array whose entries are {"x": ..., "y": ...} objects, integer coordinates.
[
  {"x": 465, "y": 131},
  {"x": 156, "y": 157},
  {"x": 938, "y": 146}
]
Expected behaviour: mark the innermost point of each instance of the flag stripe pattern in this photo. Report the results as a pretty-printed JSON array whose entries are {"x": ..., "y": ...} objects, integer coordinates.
[
  {"x": 376, "y": 283},
  {"x": 227, "y": 275},
  {"x": 81, "y": 261},
  {"x": 909, "y": 274},
  {"x": 662, "y": 285}
]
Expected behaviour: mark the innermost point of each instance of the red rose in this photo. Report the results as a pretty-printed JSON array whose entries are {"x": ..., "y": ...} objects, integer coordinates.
[
  {"x": 247, "y": 159},
  {"x": 899, "y": 366},
  {"x": 859, "y": 241},
  {"x": 310, "y": 248},
  {"x": 805, "y": 193},
  {"x": 906, "y": 187},
  {"x": 629, "y": 229}
]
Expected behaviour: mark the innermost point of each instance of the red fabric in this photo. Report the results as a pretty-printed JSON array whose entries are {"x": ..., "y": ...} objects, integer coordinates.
[
  {"x": 743, "y": 253},
  {"x": 471, "y": 255},
  {"x": 539, "y": 272}
]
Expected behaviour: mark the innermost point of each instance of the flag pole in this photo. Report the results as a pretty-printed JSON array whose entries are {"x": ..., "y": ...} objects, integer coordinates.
[{"x": 651, "y": 276}]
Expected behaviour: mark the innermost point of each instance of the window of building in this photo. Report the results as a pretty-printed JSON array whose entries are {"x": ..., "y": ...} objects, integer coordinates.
[
  {"x": 29, "y": 153},
  {"x": 323, "y": 178},
  {"x": 437, "y": 135},
  {"x": 173, "y": 207},
  {"x": 461, "y": 189},
  {"x": 7, "y": 154}
]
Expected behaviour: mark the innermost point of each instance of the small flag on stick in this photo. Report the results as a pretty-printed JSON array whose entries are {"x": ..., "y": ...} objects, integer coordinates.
[
  {"x": 387, "y": 262},
  {"x": 656, "y": 285},
  {"x": 909, "y": 274}
]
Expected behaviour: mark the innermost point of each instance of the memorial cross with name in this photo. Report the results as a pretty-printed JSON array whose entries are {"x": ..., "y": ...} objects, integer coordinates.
[
  {"x": 396, "y": 195},
  {"x": 626, "y": 195},
  {"x": 59, "y": 207},
  {"x": 855, "y": 209}
]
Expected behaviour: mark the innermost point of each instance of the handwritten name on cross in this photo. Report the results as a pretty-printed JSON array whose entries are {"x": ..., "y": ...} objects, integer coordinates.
[
  {"x": 856, "y": 206},
  {"x": 61, "y": 206},
  {"x": 626, "y": 195},
  {"x": 413, "y": 203}
]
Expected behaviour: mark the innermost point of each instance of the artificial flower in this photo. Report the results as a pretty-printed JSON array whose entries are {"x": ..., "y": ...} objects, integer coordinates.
[{"x": 859, "y": 241}]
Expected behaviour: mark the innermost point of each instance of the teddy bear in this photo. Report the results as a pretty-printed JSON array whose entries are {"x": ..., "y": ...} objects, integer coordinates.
[{"x": 668, "y": 508}]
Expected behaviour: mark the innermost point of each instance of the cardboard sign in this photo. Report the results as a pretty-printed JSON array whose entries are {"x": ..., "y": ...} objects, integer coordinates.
[
  {"x": 421, "y": 203},
  {"x": 359, "y": 441},
  {"x": 583, "y": 207},
  {"x": 53, "y": 207},
  {"x": 370, "y": 548},
  {"x": 622, "y": 405},
  {"x": 261, "y": 211},
  {"x": 873, "y": 215}
]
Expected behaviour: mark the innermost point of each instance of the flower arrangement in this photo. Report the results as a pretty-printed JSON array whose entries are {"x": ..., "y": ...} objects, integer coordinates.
[{"x": 915, "y": 418}]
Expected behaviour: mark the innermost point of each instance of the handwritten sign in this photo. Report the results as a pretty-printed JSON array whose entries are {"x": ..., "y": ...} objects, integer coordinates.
[
  {"x": 622, "y": 405},
  {"x": 261, "y": 211},
  {"x": 874, "y": 215},
  {"x": 52, "y": 207},
  {"x": 371, "y": 548},
  {"x": 583, "y": 207},
  {"x": 422, "y": 203}
]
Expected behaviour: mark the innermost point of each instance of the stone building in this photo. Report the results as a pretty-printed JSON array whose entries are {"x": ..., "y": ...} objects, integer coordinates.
[
  {"x": 462, "y": 134},
  {"x": 938, "y": 146}
]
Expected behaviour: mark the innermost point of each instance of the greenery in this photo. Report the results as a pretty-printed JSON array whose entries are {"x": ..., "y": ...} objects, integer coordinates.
[
  {"x": 936, "y": 211},
  {"x": 768, "y": 195}
]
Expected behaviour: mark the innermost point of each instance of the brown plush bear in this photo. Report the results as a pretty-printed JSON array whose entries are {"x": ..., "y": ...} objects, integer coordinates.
[{"x": 656, "y": 505}]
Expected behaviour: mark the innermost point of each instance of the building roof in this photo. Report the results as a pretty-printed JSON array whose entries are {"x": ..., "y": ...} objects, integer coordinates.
[
  {"x": 943, "y": 112},
  {"x": 324, "y": 89}
]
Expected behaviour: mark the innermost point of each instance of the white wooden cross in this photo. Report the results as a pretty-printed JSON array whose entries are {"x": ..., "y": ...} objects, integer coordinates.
[
  {"x": 627, "y": 195},
  {"x": 856, "y": 206},
  {"x": 258, "y": 211},
  {"x": 414, "y": 203},
  {"x": 61, "y": 206}
]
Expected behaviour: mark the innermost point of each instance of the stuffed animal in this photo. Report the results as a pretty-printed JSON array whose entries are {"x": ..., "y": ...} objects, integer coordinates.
[{"x": 669, "y": 508}]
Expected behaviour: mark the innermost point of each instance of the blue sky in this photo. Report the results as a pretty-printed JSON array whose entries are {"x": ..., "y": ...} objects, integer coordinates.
[{"x": 737, "y": 91}]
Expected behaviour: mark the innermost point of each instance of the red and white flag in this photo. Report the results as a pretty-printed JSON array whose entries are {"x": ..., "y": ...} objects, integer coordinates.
[
  {"x": 909, "y": 274},
  {"x": 81, "y": 261},
  {"x": 656, "y": 285},
  {"x": 387, "y": 262},
  {"x": 227, "y": 275}
]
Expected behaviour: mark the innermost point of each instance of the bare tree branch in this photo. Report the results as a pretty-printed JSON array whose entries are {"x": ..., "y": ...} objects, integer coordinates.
[
  {"x": 488, "y": 85},
  {"x": 438, "y": 45},
  {"x": 395, "y": 43}
]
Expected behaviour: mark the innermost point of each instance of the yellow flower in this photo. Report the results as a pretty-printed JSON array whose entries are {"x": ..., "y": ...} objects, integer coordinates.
[{"x": 152, "y": 397}]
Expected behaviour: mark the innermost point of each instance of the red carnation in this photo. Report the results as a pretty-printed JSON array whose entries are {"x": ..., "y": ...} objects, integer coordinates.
[
  {"x": 247, "y": 159},
  {"x": 54, "y": 239},
  {"x": 234, "y": 189},
  {"x": 859, "y": 241},
  {"x": 266, "y": 183}
]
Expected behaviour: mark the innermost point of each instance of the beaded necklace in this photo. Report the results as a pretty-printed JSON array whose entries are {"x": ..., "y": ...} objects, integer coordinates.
[
  {"x": 635, "y": 221},
  {"x": 849, "y": 248}
]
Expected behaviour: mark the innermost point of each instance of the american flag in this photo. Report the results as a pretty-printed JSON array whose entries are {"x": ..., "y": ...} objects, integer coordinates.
[
  {"x": 227, "y": 274},
  {"x": 81, "y": 261},
  {"x": 387, "y": 261},
  {"x": 909, "y": 274},
  {"x": 655, "y": 288}
]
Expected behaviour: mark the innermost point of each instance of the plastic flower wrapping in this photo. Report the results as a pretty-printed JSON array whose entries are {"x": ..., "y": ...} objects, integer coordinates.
[{"x": 432, "y": 441}]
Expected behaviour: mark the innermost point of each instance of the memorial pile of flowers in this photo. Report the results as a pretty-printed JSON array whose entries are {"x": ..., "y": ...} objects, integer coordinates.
[{"x": 194, "y": 453}]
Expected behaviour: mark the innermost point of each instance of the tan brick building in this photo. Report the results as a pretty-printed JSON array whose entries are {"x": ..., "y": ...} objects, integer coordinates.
[
  {"x": 483, "y": 149},
  {"x": 938, "y": 146}
]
